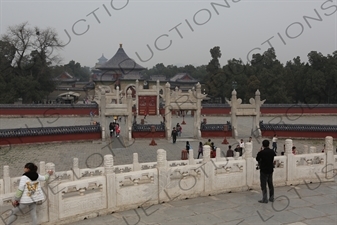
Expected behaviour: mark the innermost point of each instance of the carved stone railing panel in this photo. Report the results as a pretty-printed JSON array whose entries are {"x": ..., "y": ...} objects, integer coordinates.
[
  {"x": 136, "y": 178},
  {"x": 146, "y": 166},
  {"x": 310, "y": 159},
  {"x": 177, "y": 163},
  {"x": 123, "y": 168}
]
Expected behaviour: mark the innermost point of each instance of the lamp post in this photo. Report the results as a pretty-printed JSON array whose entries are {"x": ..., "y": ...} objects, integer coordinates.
[{"x": 234, "y": 84}]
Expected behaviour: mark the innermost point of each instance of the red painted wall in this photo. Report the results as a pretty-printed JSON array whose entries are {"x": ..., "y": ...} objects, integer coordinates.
[
  {"x": 157, "y": 134},
  {"x": 49, "y": 138},
  {"x": 299, "y": 110},
  {"x": 302, "y": 134},
  {"x": 222, "y": 134}
]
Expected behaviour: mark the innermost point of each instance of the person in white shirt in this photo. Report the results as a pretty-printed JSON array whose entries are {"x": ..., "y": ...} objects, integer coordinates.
[
  {"x": 29, "y": 193},
  {"x": 275, "y": 143}
]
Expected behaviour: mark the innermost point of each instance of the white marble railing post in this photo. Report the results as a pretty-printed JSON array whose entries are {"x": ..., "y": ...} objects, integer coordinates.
[
  {"x": 7, "y": 180},
  {"x": 42, "y": 168},
  {"x": 328, "y": 170},
  {"x": 163, "y": 176},
  {"x": 305, "y": 150},
  {"x": 53, "y": 192},
  {"x": 136, "y": 165},
  {"x": 312, "y": 149},
  {"x": 190, "y": 157},
  {"x": 76, "y": 170},
  {"x": 218, "y": 154},
  {"x": 291, "y": 165},
  {"x": 208, "y": 170},
  {"x": 250, "y": 163},
  {"x": 42, "y": 212},
  {"x": 110, "y": 181},
  {"x": 206, "y": 154}
]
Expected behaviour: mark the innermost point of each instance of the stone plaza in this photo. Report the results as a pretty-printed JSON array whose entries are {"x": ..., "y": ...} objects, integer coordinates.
[{"x": 299, "y": 204}]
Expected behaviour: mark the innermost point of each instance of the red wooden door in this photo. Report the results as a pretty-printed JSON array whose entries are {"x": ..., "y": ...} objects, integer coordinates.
[{"x": 147, "y": 104}]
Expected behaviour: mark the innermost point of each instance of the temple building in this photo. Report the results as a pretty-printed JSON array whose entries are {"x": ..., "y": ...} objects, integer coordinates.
[{"x": 123, "y": 72}]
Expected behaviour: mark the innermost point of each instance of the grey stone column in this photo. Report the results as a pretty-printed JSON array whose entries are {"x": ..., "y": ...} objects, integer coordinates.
[
  {"x": 197, "y": 114},
  {"x": 137, "y": 94},
  {"x": 168, "y": 115},
  {"x": 103, "y": 111},
  {"x": 129, "y": 116},
  {"x": 256, "y": 129},
  {"x": 158, "y": 113}
]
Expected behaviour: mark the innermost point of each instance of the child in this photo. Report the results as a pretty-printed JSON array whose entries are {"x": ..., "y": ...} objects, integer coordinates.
[
  {"x": 118, "y": 130},
  {"x": 29, "y": 193}
]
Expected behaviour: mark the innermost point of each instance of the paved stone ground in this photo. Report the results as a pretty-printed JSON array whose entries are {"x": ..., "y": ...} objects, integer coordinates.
[
  {"x": 61, "y": 154},
  {"x": 310, "y": 205}
]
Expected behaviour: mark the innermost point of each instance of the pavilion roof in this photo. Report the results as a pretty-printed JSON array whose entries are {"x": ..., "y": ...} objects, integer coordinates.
[{"x": 120, "y": 61}]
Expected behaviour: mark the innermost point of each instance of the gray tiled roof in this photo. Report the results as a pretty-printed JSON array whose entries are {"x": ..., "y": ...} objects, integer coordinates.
[
  {"x": 120, "y": 61},
  {"x": 178, "y": 78},
  {"x": 158, "y": 77}
]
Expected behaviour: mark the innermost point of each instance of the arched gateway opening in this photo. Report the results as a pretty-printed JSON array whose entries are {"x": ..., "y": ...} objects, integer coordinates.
[{"x": 179, "y": 101}]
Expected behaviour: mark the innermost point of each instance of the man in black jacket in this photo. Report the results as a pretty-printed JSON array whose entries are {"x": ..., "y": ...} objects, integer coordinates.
[{"x": 265, "y": 157}]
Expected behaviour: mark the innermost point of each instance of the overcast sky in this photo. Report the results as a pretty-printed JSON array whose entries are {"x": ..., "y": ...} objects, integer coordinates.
[{"x": 185, "y": 30}]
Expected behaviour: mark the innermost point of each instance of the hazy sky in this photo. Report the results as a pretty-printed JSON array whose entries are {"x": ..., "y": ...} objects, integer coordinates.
[{"x": 180, "y": 32}]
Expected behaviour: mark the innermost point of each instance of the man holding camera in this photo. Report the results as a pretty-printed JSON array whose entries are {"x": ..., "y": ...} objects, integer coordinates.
[{"x": 265, "y": 157}]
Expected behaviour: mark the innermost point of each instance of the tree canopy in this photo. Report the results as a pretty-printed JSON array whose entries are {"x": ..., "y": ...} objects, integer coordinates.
[
  {"x": 314, "y": 82},
  {"x": 26, "y": 56}
]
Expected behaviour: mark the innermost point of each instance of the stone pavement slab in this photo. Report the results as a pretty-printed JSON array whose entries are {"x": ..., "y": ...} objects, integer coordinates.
[{"x": 227, "y": 209}]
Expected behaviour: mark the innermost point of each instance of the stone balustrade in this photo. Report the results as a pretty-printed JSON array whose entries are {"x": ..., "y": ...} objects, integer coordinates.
[{"x": 83, "y": 193}]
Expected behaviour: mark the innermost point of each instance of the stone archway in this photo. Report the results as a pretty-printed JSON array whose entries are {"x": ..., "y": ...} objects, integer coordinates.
[
  {"x": 177, "y": 100},
  {"x": 252, "y": 109}
]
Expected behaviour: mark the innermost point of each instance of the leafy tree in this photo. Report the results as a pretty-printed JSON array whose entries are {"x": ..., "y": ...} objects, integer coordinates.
[{"x": 27, "y": 55}]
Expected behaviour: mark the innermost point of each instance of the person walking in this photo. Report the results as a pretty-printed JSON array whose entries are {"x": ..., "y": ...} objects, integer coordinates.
[
  {"x": 230, "y": 152},
  {"x": 188, "y": 147},
  {"x": 200, "y": 150},
  {"x": 265, "y": 158},
  {"x": 174, "y": 135},
  {"x": 118, "y": 129},
  {"x": 275, "y": 143},
  {"x": 111, "y": 128},
  {"x": 29, "y": 193}
]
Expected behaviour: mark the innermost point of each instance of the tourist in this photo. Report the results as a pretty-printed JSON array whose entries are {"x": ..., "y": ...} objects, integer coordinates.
[
  {"x": 188, "y": 147},
  {"x": 174, "y": 135},
  {"x": 265, "y": 158},
  {"x": 238, "y": 149},
  {"x": 213, "y": 146},
  {"x": 293, "y": 150},
  {"x": 208, "y": 142},
  {"x": 179, "y": 129},
  {"x": 275, "y": 143},
  {"x": 29, "y": 193},
  {"x": 213, "y": 150},
  {"x": 242, "y": 145},
  {"x": 118, "y": 129},
  {"x": 323, "y": 150},
  {"x": 111, "y": 128},
  {"x": 230, "y": 152},
  {"x": 200, "y": 150}
]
